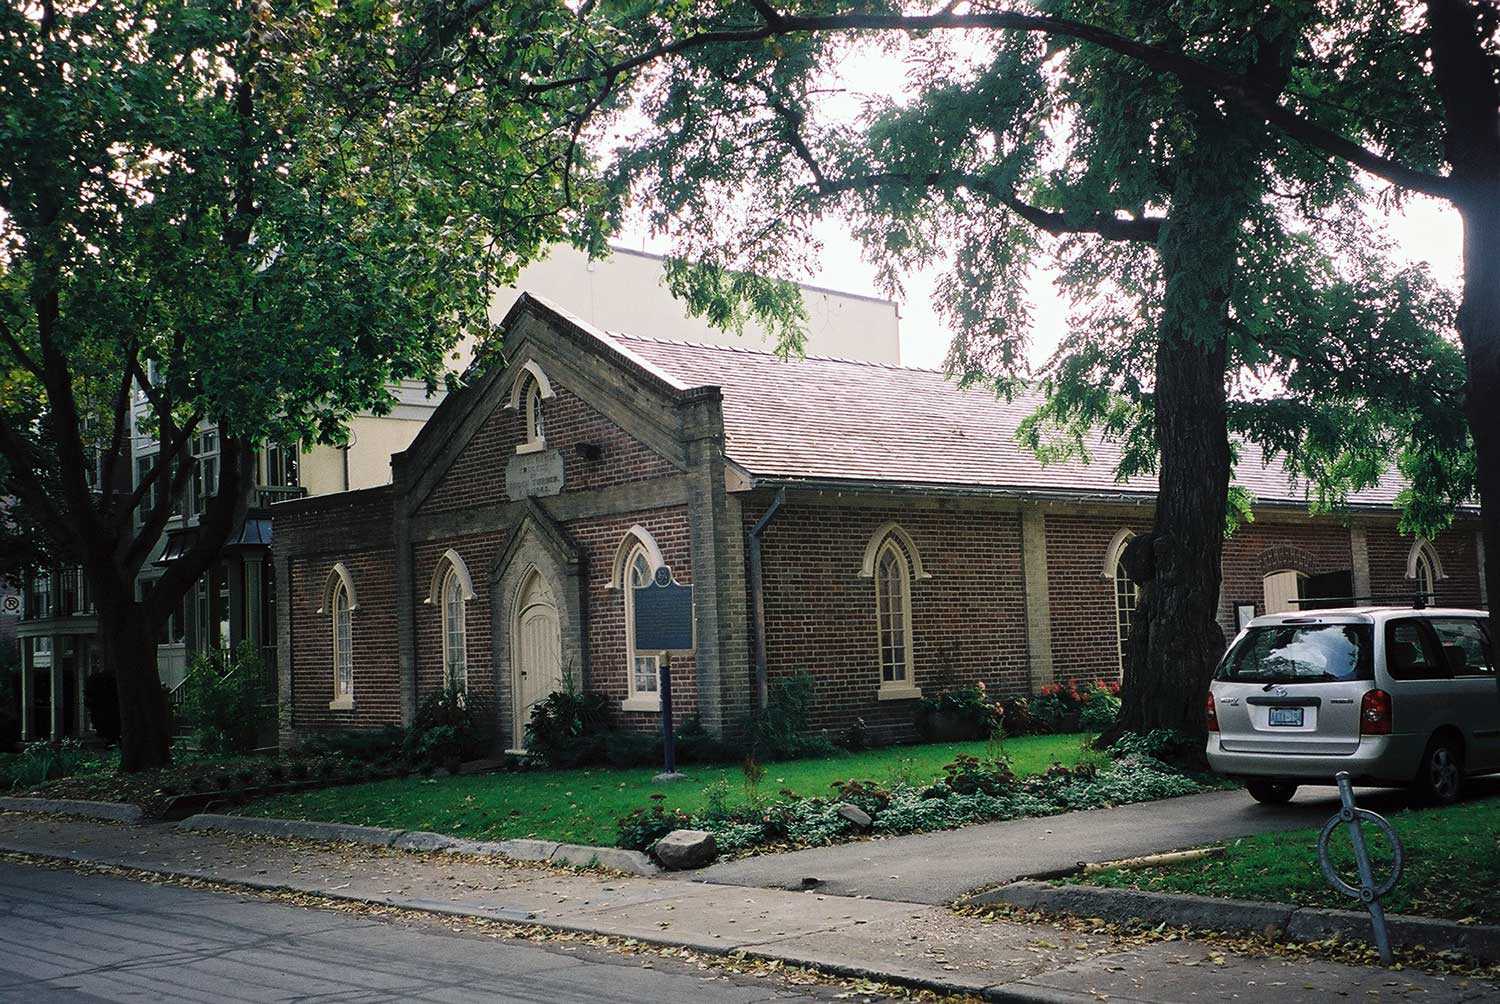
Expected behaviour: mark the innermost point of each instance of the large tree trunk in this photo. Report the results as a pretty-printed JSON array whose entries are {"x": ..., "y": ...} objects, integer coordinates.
[
  {"x": 1175, "y": 640},
  {"x": 128, "y": 649},
  {"x": 1479, "y": 330}
]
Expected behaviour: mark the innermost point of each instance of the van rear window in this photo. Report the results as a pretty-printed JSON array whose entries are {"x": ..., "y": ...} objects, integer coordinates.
[{"x": 1300, "y": 653}]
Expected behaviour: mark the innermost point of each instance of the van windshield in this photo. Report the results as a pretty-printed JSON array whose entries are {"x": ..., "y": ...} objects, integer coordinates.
[{"x": 1300, "y": 653}]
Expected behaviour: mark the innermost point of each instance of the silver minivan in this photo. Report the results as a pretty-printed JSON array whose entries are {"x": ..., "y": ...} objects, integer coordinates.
[{"x": 1395, "y": 696}]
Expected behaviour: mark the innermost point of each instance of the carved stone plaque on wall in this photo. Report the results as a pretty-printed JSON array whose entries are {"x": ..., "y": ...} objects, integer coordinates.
[{"x": 534, "y": 475}]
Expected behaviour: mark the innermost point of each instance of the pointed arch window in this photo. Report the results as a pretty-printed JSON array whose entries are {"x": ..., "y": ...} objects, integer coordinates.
[
  {"x": 536, "y": 427},
  {"x": 455, "y": 632},
  {"x": 1126, "y": 593},
  {"x": 644, "y": 669},
  {"x": 893, "y": 618},
  {"x": 527, "y": 393},
  {"x": 339, "y": 604},
  {"x": 342, "y": 611},
  {"x": 1426, "y": 575}
]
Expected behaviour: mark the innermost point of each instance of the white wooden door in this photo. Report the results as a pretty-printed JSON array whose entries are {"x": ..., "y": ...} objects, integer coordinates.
[
  {"x": 538, "y": 651},
  {"x": 1282, "y": 588}
]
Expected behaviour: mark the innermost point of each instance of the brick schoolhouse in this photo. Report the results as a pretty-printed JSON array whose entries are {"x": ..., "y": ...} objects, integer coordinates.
[{"x": 873, "y": 525}]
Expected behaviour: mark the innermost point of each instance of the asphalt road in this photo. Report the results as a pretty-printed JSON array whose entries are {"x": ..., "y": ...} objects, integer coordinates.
[
  {"x": 939, "y": 867},
  {"x": 66, "y": 936}
]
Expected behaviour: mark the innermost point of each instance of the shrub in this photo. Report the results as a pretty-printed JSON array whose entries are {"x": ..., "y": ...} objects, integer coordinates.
[
  {"x": 695, "y": 744},
  {"x": 640, "y": 829},
  {"x": 10, "y": 709},
  {"x": 102, "y": 699},
  {"x": 1165, "y": 745},
  {"x": 1101, "y": 706},
  {"x": 870, "y": 796},
  {"x": 1017, "y": 718},
  {"x": 222, "y": 700},
  {"x": 42, "y": 761},
  {"x": 568, "y": 728},
  {"x": 368, "y": 745},
  {"x": 449, "y": 727},
  {"x": 1055, "y": 704},
  {"x": 632, "y": 749},
  {"x": 782, "y": 730},
  {"x": 968, "y": 709},
  {"x": 967, "y": 775}
]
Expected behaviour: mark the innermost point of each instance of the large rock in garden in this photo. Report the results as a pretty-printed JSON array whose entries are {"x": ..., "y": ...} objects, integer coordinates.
[
  {"x": 683, "y": 849},
  {"x": 857, "y": 816}
]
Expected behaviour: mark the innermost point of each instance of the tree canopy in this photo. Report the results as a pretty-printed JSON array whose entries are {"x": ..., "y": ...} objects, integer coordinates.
[{"x": 252, "y": 215}]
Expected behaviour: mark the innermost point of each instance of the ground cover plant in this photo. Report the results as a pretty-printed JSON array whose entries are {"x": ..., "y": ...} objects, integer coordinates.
[
  {"x": 584, "y": 805},
  {"x": 971, "y": 789},
  {"x": 1452, "y": 866}
]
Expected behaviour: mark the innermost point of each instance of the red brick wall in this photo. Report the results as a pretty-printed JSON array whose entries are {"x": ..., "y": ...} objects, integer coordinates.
[
  {"x": 478, "y": 552},
  {"x": 477, "y": 475},
  {"x": 364, "y": 518},
  {"x": 1084, "y": 637},
  {"x": 968, "y": 619},
  {"x": 1259, "y": 548},
  {"x": 600, "y": 540},
  {"x": 1456, "y": 550}
]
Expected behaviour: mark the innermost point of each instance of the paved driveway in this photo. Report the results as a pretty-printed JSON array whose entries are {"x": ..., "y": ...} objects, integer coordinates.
[{"x": 940, "y": 867}]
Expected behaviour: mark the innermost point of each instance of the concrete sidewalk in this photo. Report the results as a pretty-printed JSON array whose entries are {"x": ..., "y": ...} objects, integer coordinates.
[
  {"x": 941, "y": 866},
  {"x": 910, "y": 943}
]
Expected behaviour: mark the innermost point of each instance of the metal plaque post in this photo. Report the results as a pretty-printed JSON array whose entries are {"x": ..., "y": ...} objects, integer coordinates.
[
  {"x": 668, "y": 738},
  {"x": 664, "y": 625}
]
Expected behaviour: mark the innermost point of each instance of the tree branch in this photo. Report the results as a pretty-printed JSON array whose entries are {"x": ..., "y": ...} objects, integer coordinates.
[
  {"x": 1238, "y": 90},
  {"x": 14, "y": 344}
]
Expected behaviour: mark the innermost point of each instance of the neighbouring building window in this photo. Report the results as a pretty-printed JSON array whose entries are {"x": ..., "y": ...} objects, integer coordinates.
[
  {"x": 343, "y": 644},
  {"x": 39, "y": 597},
  {"x": 893, "y": 608},
  {"x": 143, "y": 467},
  {"x": 205, "y": 468},
  {"x": 282, "y": 466},
  {"x": 644, "y": 668},
  {"x": 455, "y": 632},
  {"x": 1127, "y": 594}
]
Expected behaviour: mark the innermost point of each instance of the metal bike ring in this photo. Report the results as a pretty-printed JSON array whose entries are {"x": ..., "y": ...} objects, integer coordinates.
[{"x": 1336, "y": 880}]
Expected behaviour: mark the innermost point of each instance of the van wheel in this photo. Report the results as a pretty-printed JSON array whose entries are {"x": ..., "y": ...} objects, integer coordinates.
[
  {"x": 1271, "y": 792},
  {"x": 1441, "y": 776}
]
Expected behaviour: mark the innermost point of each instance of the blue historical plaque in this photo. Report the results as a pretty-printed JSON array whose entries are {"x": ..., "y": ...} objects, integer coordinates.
[{"x": 664, "y": 615}]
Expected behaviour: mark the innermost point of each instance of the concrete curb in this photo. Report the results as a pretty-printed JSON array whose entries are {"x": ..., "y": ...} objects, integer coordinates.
[
  {"x": 615, "y": 858},
  {"x": 115, "y": 812},
  {"x": 1296, "y": 923}
]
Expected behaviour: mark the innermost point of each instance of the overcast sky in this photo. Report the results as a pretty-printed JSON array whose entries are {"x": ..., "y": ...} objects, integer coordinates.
[{"x": 1426, "y": 230}]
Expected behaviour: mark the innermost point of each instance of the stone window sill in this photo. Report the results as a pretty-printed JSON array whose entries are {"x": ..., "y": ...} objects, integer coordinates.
[
  {"x": 651, "y": 703},
  {"x": 341, "y": 704},
  {"x": 532, "y": 446},
  {"x": 899, "y": 692}
]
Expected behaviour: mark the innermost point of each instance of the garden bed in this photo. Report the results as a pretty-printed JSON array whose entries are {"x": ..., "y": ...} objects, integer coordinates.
[
  {"x": 584, "y": 805},
  {"x": 753, "y": 807},
  {"x": 1452, "y": 867}
]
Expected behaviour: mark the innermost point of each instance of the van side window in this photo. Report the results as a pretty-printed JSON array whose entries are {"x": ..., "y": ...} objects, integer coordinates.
[
  {"x": 1466, "y": 649},
  {"x": 1409, "y": 653}
]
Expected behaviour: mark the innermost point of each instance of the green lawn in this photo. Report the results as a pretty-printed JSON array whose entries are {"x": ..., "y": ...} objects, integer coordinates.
[
  {"x": 1452, "y": 866},
  {"x": 582, "y": 806}
]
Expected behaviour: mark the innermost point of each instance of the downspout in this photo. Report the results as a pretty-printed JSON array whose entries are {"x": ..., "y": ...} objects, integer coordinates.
[{"x": 758, "y": 600}]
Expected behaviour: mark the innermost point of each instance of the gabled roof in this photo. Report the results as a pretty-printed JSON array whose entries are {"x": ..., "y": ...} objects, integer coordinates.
[
  {"x": 833, "y": 422},
  {"x": 837, "y": 420}
]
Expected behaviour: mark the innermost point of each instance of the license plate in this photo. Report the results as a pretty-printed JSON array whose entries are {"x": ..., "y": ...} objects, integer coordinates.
[{"x": 1287, "y": 716}]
